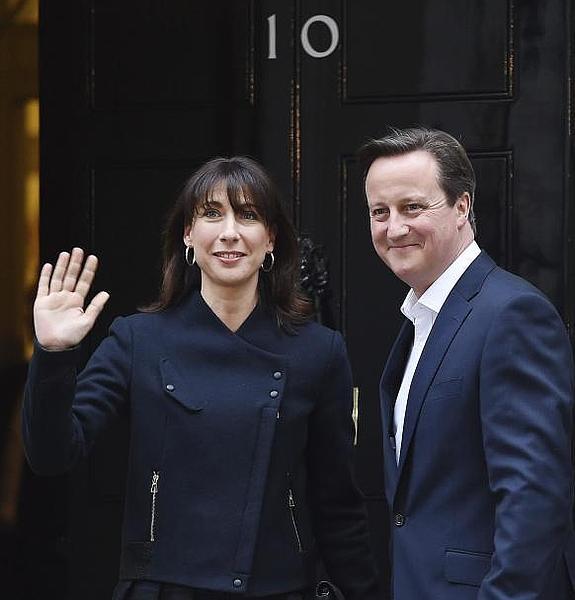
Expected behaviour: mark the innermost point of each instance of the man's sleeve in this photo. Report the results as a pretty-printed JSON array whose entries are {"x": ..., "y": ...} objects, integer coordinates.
[{"x": 526, "y": 396}]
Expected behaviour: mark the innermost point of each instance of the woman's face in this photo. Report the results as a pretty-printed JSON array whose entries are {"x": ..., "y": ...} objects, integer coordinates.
[{"x": 229, "y": 247}]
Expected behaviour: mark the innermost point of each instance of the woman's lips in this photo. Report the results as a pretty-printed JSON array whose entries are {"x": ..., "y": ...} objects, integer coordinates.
[{"x": 229, "y": 256}]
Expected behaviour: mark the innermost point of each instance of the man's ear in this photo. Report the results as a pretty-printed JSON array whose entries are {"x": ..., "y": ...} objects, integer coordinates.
[{"x": 463, "y": 206}]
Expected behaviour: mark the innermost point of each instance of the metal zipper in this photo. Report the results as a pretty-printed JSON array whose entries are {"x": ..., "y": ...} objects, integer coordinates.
[
  {"x": 153, "y": 491},
  {"x": 291, "y": 506}
]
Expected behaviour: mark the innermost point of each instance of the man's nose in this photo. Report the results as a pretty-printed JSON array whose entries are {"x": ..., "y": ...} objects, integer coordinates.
[{"x": 396, "y": 226}]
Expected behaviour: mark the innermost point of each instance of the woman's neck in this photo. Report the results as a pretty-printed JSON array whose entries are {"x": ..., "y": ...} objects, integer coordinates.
[{"x": 230, "y": 305}]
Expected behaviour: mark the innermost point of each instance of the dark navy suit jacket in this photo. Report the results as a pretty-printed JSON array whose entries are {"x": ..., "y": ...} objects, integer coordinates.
[
  {"x": 482, "y": 497},
  {"x": 240, "y": 449}
]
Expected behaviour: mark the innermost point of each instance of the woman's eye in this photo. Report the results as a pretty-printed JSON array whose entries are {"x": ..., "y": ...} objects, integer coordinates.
[
  {"x": 250, "y": 215},
  {"x": 211, "y": 213}
]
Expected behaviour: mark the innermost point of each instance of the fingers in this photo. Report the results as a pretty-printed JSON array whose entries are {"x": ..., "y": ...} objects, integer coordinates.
[
  {"x": 59, "y": 272},
  {"x": 68, "y": 274},
  {"x": 95, "y": 307},
  {"x": 87, "y": 276},
  {"x": 44, "y": 280},
  {"x": 74, "y": 266}
]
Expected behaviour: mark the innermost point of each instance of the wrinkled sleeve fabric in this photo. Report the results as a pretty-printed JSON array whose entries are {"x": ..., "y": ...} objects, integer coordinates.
[
  {"x": 338, "y": 512},
  {"x": 526, "y": 399},
  {"x": 62, "y": 412}
]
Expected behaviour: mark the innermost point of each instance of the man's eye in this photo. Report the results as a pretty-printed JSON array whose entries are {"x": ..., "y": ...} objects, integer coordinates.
[
  {"x": 413, "y": 207},
  {"x": 379, "y": 212}
]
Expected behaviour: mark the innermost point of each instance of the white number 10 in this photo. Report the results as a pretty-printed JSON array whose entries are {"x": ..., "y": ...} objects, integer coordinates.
[{"x": 306, "y": 44}]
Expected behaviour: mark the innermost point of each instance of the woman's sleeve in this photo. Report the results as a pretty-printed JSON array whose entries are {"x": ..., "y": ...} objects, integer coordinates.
[
  {"x": 62, "y": 413},
  {"x": 338, "y": 512}
]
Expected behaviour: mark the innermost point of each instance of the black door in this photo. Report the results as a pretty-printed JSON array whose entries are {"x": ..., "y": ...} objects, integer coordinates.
[
  {"x": 495, "y": 75},
  {"x": 134, "y": 95}
]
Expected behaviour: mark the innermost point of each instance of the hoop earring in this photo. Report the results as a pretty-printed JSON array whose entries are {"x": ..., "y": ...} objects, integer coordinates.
[
  {"x": 268, "y": 269},
  {"x": 187, "y": 256}
]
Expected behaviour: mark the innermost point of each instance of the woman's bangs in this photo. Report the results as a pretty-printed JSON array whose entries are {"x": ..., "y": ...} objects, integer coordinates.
[{"x": 243, "y": 190}]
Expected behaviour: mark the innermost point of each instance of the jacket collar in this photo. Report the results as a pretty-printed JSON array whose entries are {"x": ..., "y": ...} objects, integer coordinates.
[{"x": 259, "y": 328}]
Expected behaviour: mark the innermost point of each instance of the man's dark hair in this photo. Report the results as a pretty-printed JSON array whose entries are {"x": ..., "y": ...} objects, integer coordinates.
[{"x": 456, "y": 175}]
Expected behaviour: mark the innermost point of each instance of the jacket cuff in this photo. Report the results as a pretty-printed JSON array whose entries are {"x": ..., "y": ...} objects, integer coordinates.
[{"x": 53, "y": 364}]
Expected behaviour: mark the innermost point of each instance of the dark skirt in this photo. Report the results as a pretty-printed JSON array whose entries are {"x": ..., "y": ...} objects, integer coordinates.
[{"x": 153, "y": 590}]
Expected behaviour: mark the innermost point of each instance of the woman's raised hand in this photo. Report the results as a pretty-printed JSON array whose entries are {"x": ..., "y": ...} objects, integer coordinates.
[{"x": 60, "y": 319}]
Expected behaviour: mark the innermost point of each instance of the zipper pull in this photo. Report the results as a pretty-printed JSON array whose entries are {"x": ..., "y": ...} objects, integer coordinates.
[
  {"x": 291, "y": 501},
  {"x": 155, "y": 477}
]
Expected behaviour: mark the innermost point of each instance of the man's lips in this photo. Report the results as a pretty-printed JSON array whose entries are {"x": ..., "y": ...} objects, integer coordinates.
[{"x": 401, "y": 246}]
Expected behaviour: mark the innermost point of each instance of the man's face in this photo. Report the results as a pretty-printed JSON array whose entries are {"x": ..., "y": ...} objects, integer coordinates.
[{"x": 414, "y": 230}]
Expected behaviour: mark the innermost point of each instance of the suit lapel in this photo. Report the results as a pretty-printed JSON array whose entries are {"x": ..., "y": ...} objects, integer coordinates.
[
  {"x": 449, "y": 320},
  {"x": 388, "y": 389},
  {"x": 444, "y": 329},
  {"x": 394, "y": 368}
]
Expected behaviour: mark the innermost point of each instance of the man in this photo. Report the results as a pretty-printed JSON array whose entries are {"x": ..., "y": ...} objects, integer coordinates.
[{"x": 476, "y": 395}]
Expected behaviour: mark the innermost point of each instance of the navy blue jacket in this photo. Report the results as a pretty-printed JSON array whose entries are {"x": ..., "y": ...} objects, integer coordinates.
[
  {"x": 482, "y": 497},
  {"x": 240, "y": 449}
]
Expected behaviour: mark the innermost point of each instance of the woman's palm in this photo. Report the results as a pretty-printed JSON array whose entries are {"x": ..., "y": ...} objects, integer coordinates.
[{"x": 60, "y": 319}]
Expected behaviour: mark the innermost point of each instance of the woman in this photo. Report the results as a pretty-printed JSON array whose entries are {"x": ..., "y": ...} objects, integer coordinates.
[{"x": 239, "y": 468}]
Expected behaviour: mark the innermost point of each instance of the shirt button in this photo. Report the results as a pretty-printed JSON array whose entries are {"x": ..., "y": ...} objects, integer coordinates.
[
  {"x": 399, "y": 520},
  {"x": 277, "y": 375},
  {"x": 237, "y": 582},
  {"x": 170, "y": 387},
  {"x": 274, "y": 393}
]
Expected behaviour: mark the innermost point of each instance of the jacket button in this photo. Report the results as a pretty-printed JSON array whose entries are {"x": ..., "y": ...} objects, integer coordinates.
[
  {"x": 237, "y": 582},
  {"x": 170, "y": 387},
  {"x": 274, "y": 393},
  {"x": 277, "y": 375},
  {"x": 392, "y": 442},
  {"x": 399, "y": 520}
]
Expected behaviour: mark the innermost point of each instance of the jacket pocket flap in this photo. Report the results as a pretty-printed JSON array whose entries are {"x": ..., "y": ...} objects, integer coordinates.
[
  {"x": 469, "y": 568},
  {"x": 174, "y": 387},
  {"x": 445, "y": 389}
]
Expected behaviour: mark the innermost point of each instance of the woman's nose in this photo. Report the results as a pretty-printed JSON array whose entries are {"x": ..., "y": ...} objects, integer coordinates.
[{"x": 229, "y": 228}]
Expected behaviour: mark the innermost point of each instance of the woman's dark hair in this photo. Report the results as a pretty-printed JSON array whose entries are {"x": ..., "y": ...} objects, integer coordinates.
[{"x": 242, "y": 179}]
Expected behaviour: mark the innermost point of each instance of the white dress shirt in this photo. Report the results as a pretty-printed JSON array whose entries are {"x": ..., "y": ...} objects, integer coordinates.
[{"x": 422, "y": 312}]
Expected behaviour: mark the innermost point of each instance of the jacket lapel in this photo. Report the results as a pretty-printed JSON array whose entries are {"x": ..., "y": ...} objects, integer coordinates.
[
  {"x": 393, "y": 372},
  {"x": 444, "y": 329},
  {"x": 388, "y": 389},
  {"x": 449, "y": 320}
]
